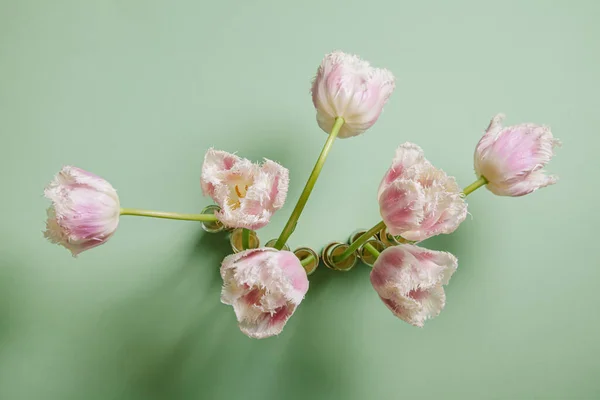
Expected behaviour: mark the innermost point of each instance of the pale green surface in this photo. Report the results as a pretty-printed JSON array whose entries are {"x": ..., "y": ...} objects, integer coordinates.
[{"x": 136, "y": 91}]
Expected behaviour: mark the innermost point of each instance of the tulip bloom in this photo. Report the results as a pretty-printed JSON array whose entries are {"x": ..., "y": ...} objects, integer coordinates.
[
  {"x": 417, "y": 200},
  {"x": 409, "y": 281},
  {"x": 247, "y": 193},
  {"x": 348, "y": 87},
  {"x": 84, "y": 212},
  {"x": 512, "y": 158},
  {"x": 264, "y": 286}
]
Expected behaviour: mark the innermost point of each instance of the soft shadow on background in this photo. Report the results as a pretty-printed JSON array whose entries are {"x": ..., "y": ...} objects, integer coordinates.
[{"x": 137, "y": 91}]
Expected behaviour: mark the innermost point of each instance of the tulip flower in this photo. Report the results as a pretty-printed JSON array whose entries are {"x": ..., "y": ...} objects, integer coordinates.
[
  {"x": 248, "y": 194},
  {"x": 84, "y": 211},
  {"x": 348, "y": 87},
  {"x": 409, "y": 281},
  {"x": 512, "y": 159},
  {"x": 417, "y": 200},
  {"x": 264, "y": 286}
]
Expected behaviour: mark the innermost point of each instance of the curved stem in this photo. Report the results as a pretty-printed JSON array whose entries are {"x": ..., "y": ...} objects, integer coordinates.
[
  {"x": 359, "y": 242},
  {"x": 305, "y": 261},
  {"x": 374, "y": 252},
  {"x": 245, "y": 239},
  {"x": 168, "y": 215},
  {"x": 310, "y": 184},
  {"x": 475, "y": 185}
]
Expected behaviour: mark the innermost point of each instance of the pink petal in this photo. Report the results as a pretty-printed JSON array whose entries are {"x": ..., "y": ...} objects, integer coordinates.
[
  {"x": 216, "y": 164},
  {"x": 280, "y": 181},
  {"x": 400, "y": 205}
]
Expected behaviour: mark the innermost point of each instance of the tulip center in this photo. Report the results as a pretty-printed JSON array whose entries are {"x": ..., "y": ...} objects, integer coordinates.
[
  {"x": 418, "y": 294},
  {"x": 237, "y": 191},
  {"x": 254, "y": 296}
]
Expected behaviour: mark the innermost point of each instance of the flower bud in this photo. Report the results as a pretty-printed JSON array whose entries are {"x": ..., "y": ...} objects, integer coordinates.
[
  {"x": 348, "y": 87},
  {"x": 512, "y": 158},
  {"x": 84, "y": 212}
]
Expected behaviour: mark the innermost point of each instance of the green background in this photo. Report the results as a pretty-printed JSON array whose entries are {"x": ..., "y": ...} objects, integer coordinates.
[{"x": 136, "y": 91}]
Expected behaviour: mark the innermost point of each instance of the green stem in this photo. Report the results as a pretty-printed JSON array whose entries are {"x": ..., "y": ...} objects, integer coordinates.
[
  {"x": 359, "y": 242},
  {"x": 369, "y": 247},
  {"x": 475, "y": 185},
  {"x": 168, "y": 215},
  {"x": 245, "y": 239},
  {"x": 310, "y": 184},
  {"x": 307, "y": 260}
]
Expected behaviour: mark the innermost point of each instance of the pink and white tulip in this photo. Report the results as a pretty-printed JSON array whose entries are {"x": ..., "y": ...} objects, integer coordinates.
[
  {"x": 247, "y": 193},
  {"x": 264, "y": 286},
  {"x": 409, "y": 281},
  {"x": 348, "y": 87},
  {"x": 512, "y": 158},
  {"x": 417, "y": 200},
  {"x": 84, "y": 212}
]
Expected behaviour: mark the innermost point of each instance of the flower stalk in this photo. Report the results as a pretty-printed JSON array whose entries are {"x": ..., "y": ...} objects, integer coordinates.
[
  {"x": 310, "y": 184},
  {"x": 168, "y": 215},
  {"x": 475, "y": 185},
  {"x": 246, "y": 239},
  {"x": 360, "y": 241},
  {"x": 305, "y": 261},
  {"x": 369, "y": 247}
]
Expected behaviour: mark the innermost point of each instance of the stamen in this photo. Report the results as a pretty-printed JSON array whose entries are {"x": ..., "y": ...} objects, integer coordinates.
[
  {"x": 234, "y": 204},
  {"x": 239, "y": 193}
]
